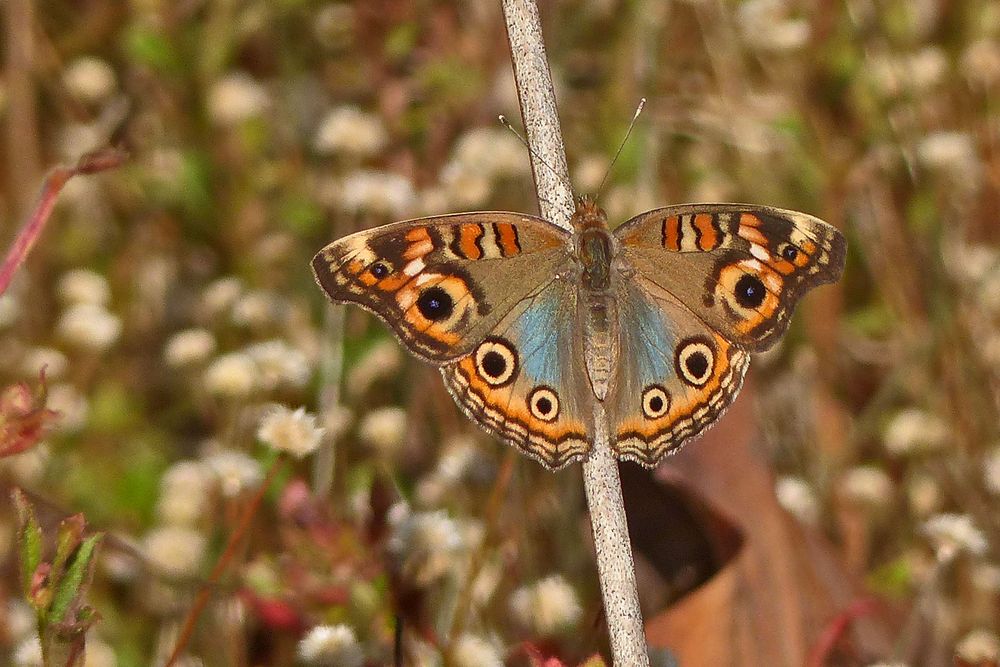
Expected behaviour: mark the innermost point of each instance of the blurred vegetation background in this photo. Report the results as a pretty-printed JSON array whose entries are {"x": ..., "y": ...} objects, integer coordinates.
[{"x": 172, "y": 307}]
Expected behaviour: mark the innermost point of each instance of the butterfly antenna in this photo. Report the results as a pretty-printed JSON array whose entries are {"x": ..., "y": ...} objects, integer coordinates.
[
  {"x": 621, "y": 146},
  {"x": 506, "y": 123}
]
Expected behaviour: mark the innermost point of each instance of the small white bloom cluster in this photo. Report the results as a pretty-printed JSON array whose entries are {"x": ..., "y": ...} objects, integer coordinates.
[
  {"x": 350, "y": 131},
  {"x": 798, "y": 498},
  {"x": 472, "y": 651},
  {"x": 235, "y": 98},
  {"x": 979, "y": 647},
  {"x": 189, "y": 347},
  {"x": 89, "y": 326},
  {"x": 53, "y": 361},
  {"x": 235, "y": 471},
  {"x": 949, "y": 151},
  {"x": 480, "y": 158},
  {"x": 84, "y": 286},
  {"x": 376, "y": 192},
  {"x": 10, "y": 310},
  {"x": 89, "y": 79},
  {"x": 279, "y": 364},
  {"x": 913, "y": 431},
  {"x": 427, "y": 545},
  {"x": 548, "y": 607},
  {"x": 954, "y": 533},
  {"x": 867, "y": 485},
  {"x": 384, "y": 429},
  {"x": 263, "y": 366},
  {"x": 331, "y": 646},
  {"x": 293, "y": 432},
  {"x": 766, "y": 28},
  {"x": 184, "y": 494},
  {"x": 174, "y": 551},
  {"x": 86, "y": 322}
]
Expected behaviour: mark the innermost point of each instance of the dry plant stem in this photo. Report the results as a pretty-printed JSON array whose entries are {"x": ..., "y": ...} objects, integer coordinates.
[
  {"x": 600, "y": 471},
  {"x": 331, "y": 369},
  {"x": 54, "y": 182},
  {"x": 187, "y": 630},
  {"x": 22, "y": 106}
]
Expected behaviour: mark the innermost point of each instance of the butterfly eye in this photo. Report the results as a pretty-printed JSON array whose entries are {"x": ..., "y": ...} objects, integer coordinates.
[
  {"x": 695, "y": 361},
  {"x": 790, "y": 252},
  {"x": 750, "y": 291},
  {"x": 544, "y": 404},
  {"x": 380, "y": 270}
]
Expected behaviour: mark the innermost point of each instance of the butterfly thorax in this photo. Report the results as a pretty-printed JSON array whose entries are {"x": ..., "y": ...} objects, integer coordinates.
[{"x": 598, "y": 315}]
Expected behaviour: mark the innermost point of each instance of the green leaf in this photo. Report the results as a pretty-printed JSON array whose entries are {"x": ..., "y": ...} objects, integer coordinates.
[
  {"x": 70, "y": 588},
  {"x": 29, "y": 539},
  {"x": 70, "y": 534}
]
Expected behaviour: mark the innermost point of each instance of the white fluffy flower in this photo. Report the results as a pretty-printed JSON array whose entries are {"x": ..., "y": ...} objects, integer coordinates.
[
  {"x": 235, "y": 471},
  {"x": 29, "y": 653},
  {"x": 798, "y": 498},
  {"x": 220, "y": 295},
  {"x": 366, "y": 191},
  {"x": 383, "y": 429},
  {"x": 89, "y": 79},
  {"x": 89, "y": 326},
  {"x": 173, "y": 551},
  {"x": 867, "y": 485},
  {"x": 188, "y": 347},
  {"x": 295, "y": 433},
  {"x": 351, "y": 131},
  {"x": 472, "y": 651},
  {"x": 547, "y": 607},
  {"x": 279, "y": 364},
  {"x": 84, "y": 286},
  {"x": 951, "y": 533},
  {"x": 232, "y": 375},
  {"x": 236, "y": 98},
  {"x": 53, "y": 361},
  {"x": 979, "y": 647},
  {"x": 71, "y": 405},
  {"x": 912, "y": 431},
  {"x": 428, "y": 545},
  {"x": 331, "y": 646},
  {"x": 184, "y": 493}
]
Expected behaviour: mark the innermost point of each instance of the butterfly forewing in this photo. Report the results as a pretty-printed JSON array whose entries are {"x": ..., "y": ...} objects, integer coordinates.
[
  {"x": 741, "y": 268},
  {"x": 442, "y": 283}
]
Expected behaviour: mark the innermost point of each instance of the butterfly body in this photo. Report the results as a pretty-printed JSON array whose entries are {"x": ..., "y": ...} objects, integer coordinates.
[{"x": 533, "y": 325}]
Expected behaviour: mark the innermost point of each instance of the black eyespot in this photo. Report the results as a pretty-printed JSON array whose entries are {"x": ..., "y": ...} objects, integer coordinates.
[
  {"x": 790, "y": 252},
  {"x": 695, "y": 361},
  {"x": 496, "y": 362},
  {"x": 750, "y": 291},
  {"x": 380, "y": 270},
  {"x": 493, "y": 364},
  {"x": 435, "y": 304},
  {"x": 697, "y": 364},
  {"x": 544, "y": 404},
  {"x": 655, "y": 401}
]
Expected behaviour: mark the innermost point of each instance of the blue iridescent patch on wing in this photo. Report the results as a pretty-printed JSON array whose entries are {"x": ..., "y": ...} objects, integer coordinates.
[
  {"x": 648, "y": 339},
  {"x": 538, "y": 334}
]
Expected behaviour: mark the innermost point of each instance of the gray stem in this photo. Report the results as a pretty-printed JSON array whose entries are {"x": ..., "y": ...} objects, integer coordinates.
[{"x": 600, "y": 470}]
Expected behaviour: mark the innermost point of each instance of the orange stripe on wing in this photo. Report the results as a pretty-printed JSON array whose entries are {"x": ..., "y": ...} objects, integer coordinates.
[
  {"x": 507, "y": 239},
  {"x": 468, "y": 237},
  {"x": 672, "y": 233},
  {"x": 708, "y": 237}
]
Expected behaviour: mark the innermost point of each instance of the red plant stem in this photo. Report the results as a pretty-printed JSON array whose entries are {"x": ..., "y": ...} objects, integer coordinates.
[
  {"x": 837, "y": 628},
  {"x": 220, "y": 566},
  {"x": 54, "y": 182}
]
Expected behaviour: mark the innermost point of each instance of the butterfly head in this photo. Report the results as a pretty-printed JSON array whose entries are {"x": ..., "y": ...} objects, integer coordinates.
[{"x": 588, "y": 215}]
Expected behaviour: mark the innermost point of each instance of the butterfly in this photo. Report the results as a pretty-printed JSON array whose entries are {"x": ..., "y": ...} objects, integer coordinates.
[{"x": 532, "y": 325}]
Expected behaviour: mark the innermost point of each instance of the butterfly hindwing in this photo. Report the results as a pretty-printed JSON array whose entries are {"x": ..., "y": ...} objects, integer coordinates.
[
  {"x": 676, "y": 375},
  {"x": 739, "y": 267},
  {"x": 524, "y": 382},
  {"x": 442, "y": 283}
]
